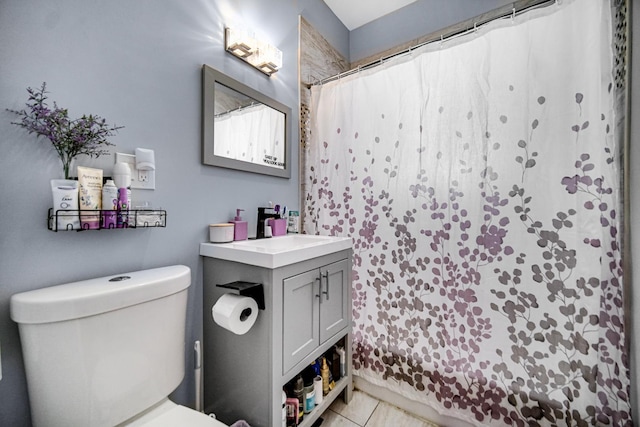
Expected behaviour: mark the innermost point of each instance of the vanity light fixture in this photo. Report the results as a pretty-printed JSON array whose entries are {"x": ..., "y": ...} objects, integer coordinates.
[
  {"x": 239, "y": 43},
  {"x": 257, "y": 53},
  {"x": 268, "y": 59}
]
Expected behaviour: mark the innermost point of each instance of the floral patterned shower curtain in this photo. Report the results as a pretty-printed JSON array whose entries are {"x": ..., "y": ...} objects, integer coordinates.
[{"x": 479, "y": 179}]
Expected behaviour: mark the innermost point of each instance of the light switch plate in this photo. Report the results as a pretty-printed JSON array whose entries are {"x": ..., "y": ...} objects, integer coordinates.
[{"x": 145, "y": 180}]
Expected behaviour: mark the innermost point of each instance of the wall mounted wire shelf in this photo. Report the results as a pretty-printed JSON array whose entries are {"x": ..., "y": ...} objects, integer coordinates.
[{"x": 62, "y": 219}]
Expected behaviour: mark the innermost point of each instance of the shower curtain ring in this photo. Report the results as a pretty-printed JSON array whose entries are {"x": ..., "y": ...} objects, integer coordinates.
[{"x": 513, "y": 14}]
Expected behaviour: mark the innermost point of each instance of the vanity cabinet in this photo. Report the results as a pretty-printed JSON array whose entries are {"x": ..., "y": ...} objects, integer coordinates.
[
  {"x": 307, "y": 312},
  {"x": 315, "y": 309}
]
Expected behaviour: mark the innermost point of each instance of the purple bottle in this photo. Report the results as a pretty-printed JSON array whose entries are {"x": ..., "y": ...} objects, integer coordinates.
[
  {"x": 122, "y": 178},
  {"x": 123, "y": 206}
]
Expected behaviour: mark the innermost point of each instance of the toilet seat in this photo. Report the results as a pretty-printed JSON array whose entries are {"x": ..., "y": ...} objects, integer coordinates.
[{"x": 169, "y": 414}]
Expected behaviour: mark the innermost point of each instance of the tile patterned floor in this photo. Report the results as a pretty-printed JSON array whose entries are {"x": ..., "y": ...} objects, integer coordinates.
[{"x": 366, "y": 411}]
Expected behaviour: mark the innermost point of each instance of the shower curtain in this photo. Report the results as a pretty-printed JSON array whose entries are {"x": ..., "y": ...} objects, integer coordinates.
[{"x": 480, "y": 181}]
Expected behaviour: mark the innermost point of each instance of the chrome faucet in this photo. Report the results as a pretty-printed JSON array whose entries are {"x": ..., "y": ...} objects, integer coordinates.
[{"x": 262, "y": 219}]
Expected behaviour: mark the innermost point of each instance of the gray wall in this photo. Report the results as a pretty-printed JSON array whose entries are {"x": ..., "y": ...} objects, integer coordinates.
[
  {"x": 323, "y": 20},
  {"x": 412, "y": 21},
  {"x": 137, "y": 63}
]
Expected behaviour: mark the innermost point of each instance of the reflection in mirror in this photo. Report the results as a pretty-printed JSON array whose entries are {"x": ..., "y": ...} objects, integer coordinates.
[
  {"x": 242, "y": 128},
  {"x": 245, "y": 129}
]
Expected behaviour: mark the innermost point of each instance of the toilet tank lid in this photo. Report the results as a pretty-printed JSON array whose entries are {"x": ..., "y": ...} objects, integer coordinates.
[{"x": 95, "y": 296}]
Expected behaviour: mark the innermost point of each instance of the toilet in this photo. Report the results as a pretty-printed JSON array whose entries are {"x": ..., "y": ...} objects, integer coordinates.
[{"x": 107, "y": 351}]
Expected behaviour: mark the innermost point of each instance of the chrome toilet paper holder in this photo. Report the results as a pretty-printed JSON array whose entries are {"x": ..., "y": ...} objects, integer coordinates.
[{"x": 248, "y": 289}]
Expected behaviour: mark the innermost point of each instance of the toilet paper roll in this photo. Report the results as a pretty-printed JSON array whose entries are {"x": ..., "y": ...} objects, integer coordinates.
[
  {"x": 235, "y": 313},
  {"x": 317, "y": 389}
]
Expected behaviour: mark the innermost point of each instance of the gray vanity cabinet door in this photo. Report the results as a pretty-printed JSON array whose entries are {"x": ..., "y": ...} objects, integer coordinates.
[
  {"x": 300, "y": 318},
  {"x": 334, "y": 299}
]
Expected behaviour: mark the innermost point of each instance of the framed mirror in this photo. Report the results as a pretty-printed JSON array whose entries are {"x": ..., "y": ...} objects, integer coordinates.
[{"x": 242, "y": 128}]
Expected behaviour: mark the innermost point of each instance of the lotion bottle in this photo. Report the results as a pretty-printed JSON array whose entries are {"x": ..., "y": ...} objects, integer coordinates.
[
  {"x": 241, "y": 227},
  {"x": 90, "y": 185},
  {"x": 109, "y": 204}
]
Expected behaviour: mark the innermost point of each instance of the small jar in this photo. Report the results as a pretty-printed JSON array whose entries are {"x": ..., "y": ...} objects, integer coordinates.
[{"x": 221, "y": 233}]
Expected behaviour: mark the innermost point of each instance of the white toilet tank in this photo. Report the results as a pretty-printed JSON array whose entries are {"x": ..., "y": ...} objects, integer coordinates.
[{"x": 101, "y": 351}]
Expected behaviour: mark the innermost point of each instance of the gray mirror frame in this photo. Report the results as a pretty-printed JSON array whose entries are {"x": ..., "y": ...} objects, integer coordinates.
[{"x": 209, "y": 77}]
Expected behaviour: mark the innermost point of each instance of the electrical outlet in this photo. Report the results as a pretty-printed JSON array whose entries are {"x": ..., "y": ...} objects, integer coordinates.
[{"x": 145, "y": 180}]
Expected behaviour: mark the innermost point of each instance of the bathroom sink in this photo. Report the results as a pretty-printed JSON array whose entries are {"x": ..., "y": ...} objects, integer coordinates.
[{"x": 276, "y": 251}]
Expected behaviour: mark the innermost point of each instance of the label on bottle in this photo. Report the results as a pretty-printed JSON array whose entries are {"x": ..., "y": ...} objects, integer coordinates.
[
  {"x": 293, "y": 222},
  {"x": 310, "y": 400}
]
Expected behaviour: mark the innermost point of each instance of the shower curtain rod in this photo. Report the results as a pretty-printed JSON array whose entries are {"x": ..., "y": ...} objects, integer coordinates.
[
  {"x": 233, "y": 110},
  {"x": 454, "y": 30}
]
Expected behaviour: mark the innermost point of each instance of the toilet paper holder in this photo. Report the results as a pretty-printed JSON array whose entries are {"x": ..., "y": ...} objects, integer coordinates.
[{"x": 248, "y": 289}]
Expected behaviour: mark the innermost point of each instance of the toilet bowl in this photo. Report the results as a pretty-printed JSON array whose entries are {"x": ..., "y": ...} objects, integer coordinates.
[
  {"x": 169, "y": 414},
  {"x": 108, "y": 351}
]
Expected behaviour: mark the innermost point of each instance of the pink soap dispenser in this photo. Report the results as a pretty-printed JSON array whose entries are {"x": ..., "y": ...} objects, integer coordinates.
[{"x": 241, "y": 228}]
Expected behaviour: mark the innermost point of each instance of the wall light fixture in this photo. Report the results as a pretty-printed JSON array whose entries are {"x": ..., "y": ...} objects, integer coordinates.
[{"x": 257, "y": 53}]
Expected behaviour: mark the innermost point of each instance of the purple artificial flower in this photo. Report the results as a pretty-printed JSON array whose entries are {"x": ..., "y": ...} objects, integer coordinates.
[{"x": 70, "y": 137}]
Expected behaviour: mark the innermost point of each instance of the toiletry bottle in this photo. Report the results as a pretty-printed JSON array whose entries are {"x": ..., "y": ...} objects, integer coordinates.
[
  {"x": 298, "y": 392},
  {"x": 109, "y": 204},
  {"x": 122, "y": 219},
  {"x": 293, "y": 222},
  {"x": 316, "y": 367},
  {"x": 335, "y": 364},
  {"x": 241, "y": 227},
  {"x": 122, "y": 179},
  {"x": 309, "y": 394},
  {"x": 324, "y": 372},
  {"x": 90, "y": 201},
  {"x": 343, "y": 362},
  {"x": 292, "y": 411},
  {"x": 65, "y": 205}
]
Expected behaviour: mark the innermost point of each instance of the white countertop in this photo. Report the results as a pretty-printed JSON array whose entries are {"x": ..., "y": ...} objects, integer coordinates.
[{"x": 276, "y": 252}]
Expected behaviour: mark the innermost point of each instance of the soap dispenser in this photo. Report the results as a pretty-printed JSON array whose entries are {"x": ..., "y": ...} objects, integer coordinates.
[{"x": 241, "y": 227}]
